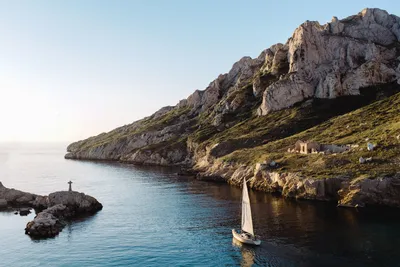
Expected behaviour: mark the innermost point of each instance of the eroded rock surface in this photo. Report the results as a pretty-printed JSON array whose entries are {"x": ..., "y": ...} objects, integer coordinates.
[
  {"x": 336, "y": 59},
  {"x": 60, "y": 205},
  {"x": 346, "y": 192},
  {"x": 379, "y": 191},
  {"x": 48, "y": 223}
]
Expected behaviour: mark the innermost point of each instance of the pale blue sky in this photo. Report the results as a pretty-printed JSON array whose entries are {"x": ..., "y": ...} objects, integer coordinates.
[{"x": 71, "y": 69}]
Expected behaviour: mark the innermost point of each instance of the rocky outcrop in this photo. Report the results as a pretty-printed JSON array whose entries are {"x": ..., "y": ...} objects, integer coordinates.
[
  {"x": 262, "y": 177},
  {"x": 75, "y": 201},
  {"x": 47, "y": 223},
  {"x": 15, "y": 198},
  {"x": 365, "y": 191},
  {"x": 336, "y": 59},
  {"x": 295, "y": 186},
  {"x": 55, "y": 207},
  {"x": 61, "y": 205},
  {"x": 346, "y": 192}
]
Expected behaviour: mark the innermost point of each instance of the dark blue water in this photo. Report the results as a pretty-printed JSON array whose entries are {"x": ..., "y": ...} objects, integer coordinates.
[{"x": 152, "y": 217}]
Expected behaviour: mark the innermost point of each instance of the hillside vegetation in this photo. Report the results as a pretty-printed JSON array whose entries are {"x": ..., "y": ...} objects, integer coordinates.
[{"x": 378, "y": 123}]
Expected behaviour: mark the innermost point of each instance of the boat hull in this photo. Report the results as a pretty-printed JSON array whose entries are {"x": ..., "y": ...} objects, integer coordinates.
[{"x": 240, "y": 238}]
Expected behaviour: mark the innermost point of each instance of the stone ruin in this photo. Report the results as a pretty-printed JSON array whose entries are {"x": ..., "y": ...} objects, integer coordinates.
[{"x": 312, "y": 147}]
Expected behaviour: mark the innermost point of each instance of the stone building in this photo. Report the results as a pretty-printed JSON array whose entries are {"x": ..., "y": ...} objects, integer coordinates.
[{"x": 306, "y": 147}]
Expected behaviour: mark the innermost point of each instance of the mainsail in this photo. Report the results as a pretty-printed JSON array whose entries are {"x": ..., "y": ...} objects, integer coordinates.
[{"x": 247, "y": 223}]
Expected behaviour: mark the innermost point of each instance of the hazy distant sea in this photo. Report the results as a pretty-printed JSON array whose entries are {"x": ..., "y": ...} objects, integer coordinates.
[{"x": 152, "y": 217}]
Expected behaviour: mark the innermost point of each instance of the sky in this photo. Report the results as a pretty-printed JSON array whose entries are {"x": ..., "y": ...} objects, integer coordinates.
[{"x": 73, "y": 69}]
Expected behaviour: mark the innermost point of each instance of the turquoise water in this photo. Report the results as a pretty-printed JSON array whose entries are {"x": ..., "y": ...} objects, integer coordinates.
[{"x": 152, "y": 217}]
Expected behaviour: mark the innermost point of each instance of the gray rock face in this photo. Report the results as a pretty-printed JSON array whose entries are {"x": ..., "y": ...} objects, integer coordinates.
[
  {"x": 276, "y": 59},
  {"x": 336, "y": 59},
  {"x": 288, "y": 91},
  {"x": 348, "y": 193},
  {"x": 380, "y": 191},
  {"x": 262, "y": 178}
]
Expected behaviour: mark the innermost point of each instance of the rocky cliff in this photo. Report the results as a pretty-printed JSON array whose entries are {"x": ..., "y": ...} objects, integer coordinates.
[{"x": 321, "y": 72}]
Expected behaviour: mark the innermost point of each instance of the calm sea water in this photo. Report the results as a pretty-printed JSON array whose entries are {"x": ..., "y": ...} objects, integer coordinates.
[{"x": 152, "y": 217}]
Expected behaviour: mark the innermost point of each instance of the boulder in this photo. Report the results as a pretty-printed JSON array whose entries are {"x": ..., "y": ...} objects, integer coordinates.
[
  {"x": 41, "y": 202},
  {"x": 47, "y": 223},
  {"x": 370, "y": 146},
  {"x": 24, "y": 211}
]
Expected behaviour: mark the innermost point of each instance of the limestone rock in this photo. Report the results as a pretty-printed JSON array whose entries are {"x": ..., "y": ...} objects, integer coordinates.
[
  {"x": 363, "y": 192},
  {"x": 370, "y": 146},
  {"x": 285, "y": 93},
  {"x": 162, "y": 111},
  {"x": 276, "y": 59},
  {"x": 337, "y": 59}
]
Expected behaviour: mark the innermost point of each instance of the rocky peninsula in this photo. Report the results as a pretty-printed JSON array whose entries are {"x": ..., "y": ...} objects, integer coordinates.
[
  {"x": 336, "y": 83},
  {"x": 51, "y": 210}
]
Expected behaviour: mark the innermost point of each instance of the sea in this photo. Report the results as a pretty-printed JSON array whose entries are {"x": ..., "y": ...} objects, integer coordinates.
[{"x": 153, "y": 217}]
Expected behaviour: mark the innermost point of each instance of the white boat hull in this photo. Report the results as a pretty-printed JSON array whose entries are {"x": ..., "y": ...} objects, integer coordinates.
[{"x": 241, "y": 238}]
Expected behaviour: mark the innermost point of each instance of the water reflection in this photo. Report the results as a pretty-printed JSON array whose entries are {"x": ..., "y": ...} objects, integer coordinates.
[{"x": 248, "y": 253}]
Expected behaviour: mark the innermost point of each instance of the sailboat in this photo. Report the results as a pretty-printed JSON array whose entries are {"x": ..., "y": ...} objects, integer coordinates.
[{"x": 246, "y": 235}]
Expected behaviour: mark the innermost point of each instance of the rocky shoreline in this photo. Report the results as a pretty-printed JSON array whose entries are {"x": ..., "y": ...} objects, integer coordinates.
[
  {"x": 52, "y": 210},
  {"x": 345, "y": 192}
]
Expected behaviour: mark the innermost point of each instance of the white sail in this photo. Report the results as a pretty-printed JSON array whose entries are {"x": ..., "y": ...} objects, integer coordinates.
[{"x": 247, "y": 222}]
